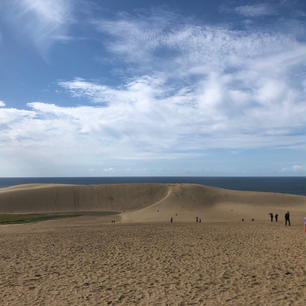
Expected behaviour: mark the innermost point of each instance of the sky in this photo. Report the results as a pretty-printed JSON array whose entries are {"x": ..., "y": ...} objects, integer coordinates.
[{"x": 152, "y": 88}]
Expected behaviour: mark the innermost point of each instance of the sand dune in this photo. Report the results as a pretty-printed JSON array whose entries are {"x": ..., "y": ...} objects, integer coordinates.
[
  {"x": 43, "y": 198},
  {"x": 90, "y": 261},
  {"x": 184, "y": 202},
  {"x": 150, "y": 202}
]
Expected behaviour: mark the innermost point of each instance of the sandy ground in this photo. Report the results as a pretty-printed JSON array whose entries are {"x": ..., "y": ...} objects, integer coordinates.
[
  {"x": 142, "y": 259},
  {"x": 89, "y": 261}
]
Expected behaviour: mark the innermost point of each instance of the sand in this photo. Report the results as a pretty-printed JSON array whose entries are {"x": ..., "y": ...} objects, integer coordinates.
[
  {"x": 142, "y": 259},
  {"x": 150, "y": 202}
]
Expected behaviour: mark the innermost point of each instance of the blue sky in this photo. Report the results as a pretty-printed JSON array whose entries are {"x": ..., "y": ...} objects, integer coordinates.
[{"x": 152, "y": 88}]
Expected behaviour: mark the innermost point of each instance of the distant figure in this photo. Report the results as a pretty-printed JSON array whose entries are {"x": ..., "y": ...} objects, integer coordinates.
[
  {"x": 276, "y": 217},
  {"x": 176, "y": 214},
  {"x": 158, "y": 210},
  {"x": 242, "y": 219},
  {"x": 253, "y": 219},
  {"x": 200, "y": 220},
  {"x": 113, "y": 221},
  {"x": 287, "y": 218},
  {"x": 197, "y": 219},
  {"x": 171, "y": 220},
  {"x": 271, "y": 216}
]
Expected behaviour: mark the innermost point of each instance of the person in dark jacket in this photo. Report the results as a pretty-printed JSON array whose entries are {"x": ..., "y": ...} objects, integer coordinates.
[
  {"x": 287, "y": 218},
  {"x": 276, "y": 217},
  {"x": 271, "y": 217}
]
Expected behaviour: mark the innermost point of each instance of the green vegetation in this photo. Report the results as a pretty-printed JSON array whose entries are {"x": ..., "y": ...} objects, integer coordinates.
[{"x": 25, "y": 218}]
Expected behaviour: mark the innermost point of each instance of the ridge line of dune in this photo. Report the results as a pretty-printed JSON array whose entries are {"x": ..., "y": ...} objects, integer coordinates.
[
  {"x": 65, "y": 197},
  {"x": 169, "y": 192}
]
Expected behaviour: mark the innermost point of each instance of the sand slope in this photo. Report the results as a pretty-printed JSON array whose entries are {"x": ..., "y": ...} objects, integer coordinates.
[
  {"x": 67, "y": 198},
  {"x": 184, "y": 202},
  {"x": 151, "y": 202}
]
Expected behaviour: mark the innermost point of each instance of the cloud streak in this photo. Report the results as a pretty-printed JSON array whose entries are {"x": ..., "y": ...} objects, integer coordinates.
[{"x": 256, "y": 10}]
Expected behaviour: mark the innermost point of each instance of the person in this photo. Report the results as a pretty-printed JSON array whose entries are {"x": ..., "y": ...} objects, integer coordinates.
[
  {"x": 287, "y": 218},
  {"x": 276, "y": 217},
  {"x": 271, "y": 217},
  {"x": 171, "y": 220},
  {"x": 253, "y": 219},
  {"x": 200, "y": 220},
  {"x": 242, "y": 219},
  {"x": 197, "y": 219}
]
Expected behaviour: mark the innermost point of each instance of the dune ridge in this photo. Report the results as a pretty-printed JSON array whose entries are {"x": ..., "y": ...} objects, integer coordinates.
[
  {"x": 184, "y": 202},
  {"x": 149, "y": 202},
  {"x": 40, "y": 198}
]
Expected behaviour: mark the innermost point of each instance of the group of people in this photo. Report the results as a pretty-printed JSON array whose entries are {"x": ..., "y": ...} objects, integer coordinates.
[
  {"x": 287, "y": 218},
  {"x": 251, "y": 219},
  {"x": 272, "y": 216},
  {"x": 198, "y": 220}
]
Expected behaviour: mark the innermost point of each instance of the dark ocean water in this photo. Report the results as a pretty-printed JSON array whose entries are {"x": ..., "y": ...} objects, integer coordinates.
[{"x": 293, "y": 185}]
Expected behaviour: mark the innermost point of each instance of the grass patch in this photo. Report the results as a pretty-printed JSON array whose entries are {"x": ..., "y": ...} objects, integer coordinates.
[{"x": 25, "y": 218}]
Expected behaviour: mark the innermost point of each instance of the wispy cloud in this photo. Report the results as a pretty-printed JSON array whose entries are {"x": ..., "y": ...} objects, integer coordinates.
[
  {"x": 240, "y": 75},
  {"x": 44, "y": 21},
  {"x": 256, "y": 10},
  {"x": 296, "y": 169},
  {"x": 148, "y": 43}
]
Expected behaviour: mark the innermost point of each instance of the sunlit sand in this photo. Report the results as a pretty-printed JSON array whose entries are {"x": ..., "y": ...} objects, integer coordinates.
[{"x": 142, "y": 259}]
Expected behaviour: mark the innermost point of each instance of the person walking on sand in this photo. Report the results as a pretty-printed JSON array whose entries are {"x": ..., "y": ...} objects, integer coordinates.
[
  {"x": 276, "y": 217},
  {"x": 171, "y": 220},
  {"x": 287, "y": 218},
  {"x": 271, "y": 217}
]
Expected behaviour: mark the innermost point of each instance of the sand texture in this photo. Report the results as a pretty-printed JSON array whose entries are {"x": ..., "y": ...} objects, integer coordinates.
[
  {"x": 88, "y": 263},
  {"x": 142, "y": 259}
]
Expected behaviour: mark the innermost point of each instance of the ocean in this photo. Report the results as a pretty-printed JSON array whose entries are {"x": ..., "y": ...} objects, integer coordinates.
[{"x": 293, "y": 185}]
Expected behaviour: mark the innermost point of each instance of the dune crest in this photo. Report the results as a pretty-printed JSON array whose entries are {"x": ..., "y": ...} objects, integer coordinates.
[
  {"x": 150, "y": 202},
  {"x": 185, "y": 202},
  {"x": 43, "y": 198}
]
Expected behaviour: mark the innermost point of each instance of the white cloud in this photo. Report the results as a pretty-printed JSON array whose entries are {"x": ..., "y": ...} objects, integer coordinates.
[
  {"x": 255, "y": 10},
  {"x": 2, "y": 103},
  {"x": 298, "y": 168},
  {"x": 234, "y": 78},
  {"x": 108, "y": 170},
  {"x": 44, "y": 21},
  {"x": 181, "y": 51},
  {"x": 221, "y": 89},
  {"x": 13, "y": 115}
]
